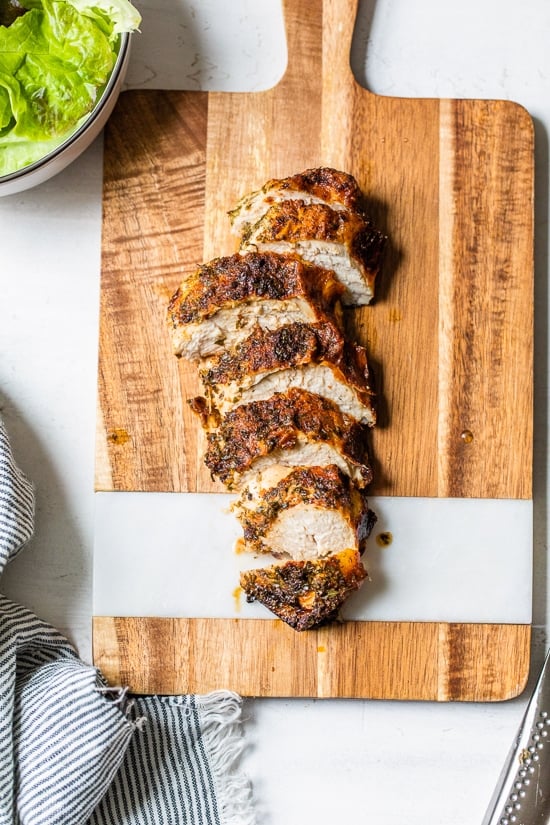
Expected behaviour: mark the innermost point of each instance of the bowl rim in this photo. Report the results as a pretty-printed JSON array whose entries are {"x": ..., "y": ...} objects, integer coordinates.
[{"x": 92, "y": 117}]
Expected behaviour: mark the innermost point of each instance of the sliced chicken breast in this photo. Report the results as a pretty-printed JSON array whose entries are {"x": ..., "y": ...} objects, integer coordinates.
[
  {"x": 224, "y": 300},
  {"x": 313, "y": 357},
  {"x": 306, "y": 594},
  {"x": 309, "y": 513},
  {"x": 322, "y": 185},
  {"x": 295, "y": 428},
  {"x": 335, "y": 239},
  {"x": 309, "y": 453}
]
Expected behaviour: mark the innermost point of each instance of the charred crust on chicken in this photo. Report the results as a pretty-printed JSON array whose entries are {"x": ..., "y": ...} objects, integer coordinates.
[
  {"x": 288, "y": 399},
  {"x": 261, "y": 427},
  {"x": 286, "y": 357},
  {"x": 322, "y": 184},
  {"x": 306, "y": 594},
  {"x": 230, "y": 280},
  {"x": 342, "y": 240},
  {"x": 325, "y": 488},
  {"x": 295, "y": 221}
]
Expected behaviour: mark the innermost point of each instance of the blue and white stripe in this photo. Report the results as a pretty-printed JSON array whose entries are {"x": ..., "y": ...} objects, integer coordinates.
[
  {"x": 179, "y": 766},
  {"x": 16, "y": 504},
  {"x": 75, "y": 751}
]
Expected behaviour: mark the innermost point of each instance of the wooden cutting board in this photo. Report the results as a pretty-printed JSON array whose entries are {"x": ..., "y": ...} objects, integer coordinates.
[{"x": 450, "y": 336}]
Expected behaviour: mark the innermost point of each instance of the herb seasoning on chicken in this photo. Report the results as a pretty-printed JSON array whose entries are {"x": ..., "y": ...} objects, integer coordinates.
[
  {"x": 288, "y": 398},
  {"x": 313, "y": 357},
  {"x": 306, "y": 594},
  {"x": 343, "y": 241},
  {"x": 293, "y": 428},
  {"x": 308, "y": 513},
  {"x": 323, "y": 185},
  {"x": 224, "y": 300}
]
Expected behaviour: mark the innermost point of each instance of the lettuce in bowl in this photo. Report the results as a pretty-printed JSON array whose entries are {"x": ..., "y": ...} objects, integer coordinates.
[{"x": 56, "y": 57}]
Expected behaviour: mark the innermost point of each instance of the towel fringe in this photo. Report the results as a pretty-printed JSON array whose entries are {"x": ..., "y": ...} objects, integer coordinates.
[
  {"x": 221, "y": 722},
  {"x": 120, "y": 696}
]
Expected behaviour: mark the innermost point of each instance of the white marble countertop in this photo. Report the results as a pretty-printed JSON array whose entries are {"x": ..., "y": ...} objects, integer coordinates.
[{"x": 329, "y": 760}]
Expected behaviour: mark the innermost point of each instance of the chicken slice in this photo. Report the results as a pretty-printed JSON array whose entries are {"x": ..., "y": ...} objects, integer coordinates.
[
  {"x": 220, "y": 304},
  {"x": 306, "y": 594},
  {"x": 309, "y": 513},
  {"x": 321, "y": 185},
  {"x": 314, "y": 357},
  {"x": 294, "y": 428},
  {"x": 339, "y": 240}
]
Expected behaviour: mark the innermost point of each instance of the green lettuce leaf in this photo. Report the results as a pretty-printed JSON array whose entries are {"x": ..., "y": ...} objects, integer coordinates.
[
  {"x": 119, "y": 15},
  {"x": 55, "y": 61}
]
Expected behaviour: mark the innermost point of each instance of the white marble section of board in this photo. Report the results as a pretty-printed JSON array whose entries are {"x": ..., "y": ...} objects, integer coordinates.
[{"x": 452, "y": 560}]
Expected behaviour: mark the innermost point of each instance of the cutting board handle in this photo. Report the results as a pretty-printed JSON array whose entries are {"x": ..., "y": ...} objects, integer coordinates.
[{"x": 319, "y": 34}]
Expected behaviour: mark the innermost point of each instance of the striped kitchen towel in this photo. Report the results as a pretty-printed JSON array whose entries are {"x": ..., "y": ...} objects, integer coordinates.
[{"x": 74, "y": 750}]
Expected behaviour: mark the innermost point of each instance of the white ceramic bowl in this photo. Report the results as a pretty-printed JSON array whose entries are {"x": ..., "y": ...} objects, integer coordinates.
[{"x": 66, "y": 152}]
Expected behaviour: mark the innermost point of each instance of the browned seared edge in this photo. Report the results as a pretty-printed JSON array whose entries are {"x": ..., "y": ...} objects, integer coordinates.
[{"x": 451, "y": 184}]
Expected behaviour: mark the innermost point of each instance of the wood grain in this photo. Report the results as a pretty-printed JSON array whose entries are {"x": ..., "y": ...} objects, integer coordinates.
[
  {"x": 450, "y": 335},
  {"x": 451, "y": 182},
  {"x": 375, "y": 660},
  {"x": 153, "y": 217}
]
